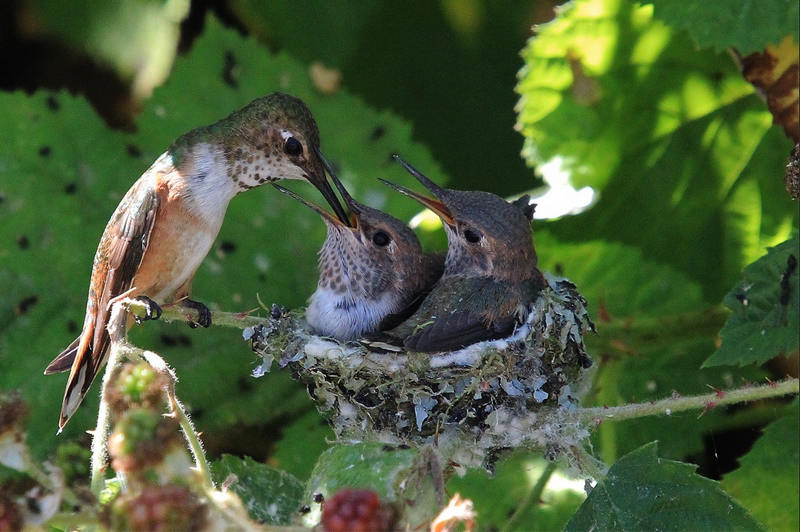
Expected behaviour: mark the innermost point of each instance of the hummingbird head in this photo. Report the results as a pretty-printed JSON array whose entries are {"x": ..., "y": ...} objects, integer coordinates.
[
  {"x": 371, "y": 256},
  {"x": 272, "y": 138},
  {"x": 487, "y": 236}
]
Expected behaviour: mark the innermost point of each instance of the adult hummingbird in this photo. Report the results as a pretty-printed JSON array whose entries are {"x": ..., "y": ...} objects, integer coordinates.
[
  {"x": 166, "y": 223},
  {"x": 490, "y": 275},
  {"x": 372, "y": 271}
]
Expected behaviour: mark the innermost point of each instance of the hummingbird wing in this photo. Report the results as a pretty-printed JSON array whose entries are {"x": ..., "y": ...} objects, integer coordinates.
[
  {"x": 463, "y": 311},
  {"x": 118, "y": 257},
  {"x": 457, "y": 330}
]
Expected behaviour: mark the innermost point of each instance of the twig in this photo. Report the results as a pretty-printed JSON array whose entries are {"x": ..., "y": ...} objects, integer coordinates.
[
  {"x": 531, "y": 498},
  {"x": 170, "y": 313},
  {"x": 116, "y": 330},
  {"x": 694, "y": 402}
]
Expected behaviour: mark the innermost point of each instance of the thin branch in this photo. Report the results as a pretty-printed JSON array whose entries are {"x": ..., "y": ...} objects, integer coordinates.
[
  {"x": 532, "y": 498},
  {"x": 170, "y": 313},
  {"x": 694, "y": 402}
]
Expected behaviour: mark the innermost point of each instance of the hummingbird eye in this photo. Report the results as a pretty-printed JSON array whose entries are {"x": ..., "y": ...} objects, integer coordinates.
[
  {"x": 472, "y": 236},
  {"x": 381, "y": 239},
  {"x": 293, "y": 147}
]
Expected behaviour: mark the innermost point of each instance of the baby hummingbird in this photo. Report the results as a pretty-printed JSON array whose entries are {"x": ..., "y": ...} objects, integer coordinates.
[
  {"x": 490, "y": 275},
  {"x": 372, "y": 271},
  {"x": 166, "y": 223}
]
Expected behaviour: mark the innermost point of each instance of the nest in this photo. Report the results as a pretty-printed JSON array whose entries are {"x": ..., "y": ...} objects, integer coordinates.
[{"x": 470, "y": 403}]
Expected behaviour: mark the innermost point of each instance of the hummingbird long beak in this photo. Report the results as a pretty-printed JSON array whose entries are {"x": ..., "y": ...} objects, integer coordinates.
[
  {"x": 328, "y": 217},
  {"x": 422, "y": 178},
  {"x": 433, "y": 204},
  {"x": 319, "y": 180},
  {"x": 352, "y": 204}
]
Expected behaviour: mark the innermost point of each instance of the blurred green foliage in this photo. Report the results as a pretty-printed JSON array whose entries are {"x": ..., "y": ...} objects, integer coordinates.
[{"x": 612, "y": 94}]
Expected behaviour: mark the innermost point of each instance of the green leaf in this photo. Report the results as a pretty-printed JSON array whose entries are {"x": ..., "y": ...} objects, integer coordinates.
[
  {"x": 680, "y": 149},
  {"x": 644, "y": 492},
  {"x": 271, "y": 496},
  {"x": 62, "y": 173},
  {"x": 747, "y": 25},
  {"x": 772, "y": 468},
  {"x": 653, "y": 333},
  {"x": 765, "y": 319}
]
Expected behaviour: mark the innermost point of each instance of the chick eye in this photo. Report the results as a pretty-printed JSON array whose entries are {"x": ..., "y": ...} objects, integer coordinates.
[
  {"x": 292, "y": 146},
  {"x": 381, "y": 239},
  {"x": 473, "y": 237}
]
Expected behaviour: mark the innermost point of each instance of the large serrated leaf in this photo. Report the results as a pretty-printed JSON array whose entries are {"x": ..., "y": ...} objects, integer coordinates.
[
  {"x": 644, "y": 492},
  {"x": 271, "y": 496},
  {"x": 62, "y": 173},
  {"x": 747, "y": 25},
  {"x": 683, "y": 153},
  {"x": 771, "y": 467},
  {"x": 765, "y": 306},
  {"x": 653, "y": 333}
]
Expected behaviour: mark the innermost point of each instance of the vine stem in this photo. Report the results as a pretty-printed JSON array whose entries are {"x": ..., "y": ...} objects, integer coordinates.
[
  {"x": 675, "y": 404},
  {"x": 533, "y": 497},
  {"x": 116, "y": 330}
]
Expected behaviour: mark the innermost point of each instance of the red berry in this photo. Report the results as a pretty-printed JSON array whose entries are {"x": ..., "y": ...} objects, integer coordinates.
[{"x": 353, "y": 510}]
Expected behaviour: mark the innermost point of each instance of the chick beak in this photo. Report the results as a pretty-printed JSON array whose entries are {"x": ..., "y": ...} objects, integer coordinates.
[{"x": 433, "y": 204}]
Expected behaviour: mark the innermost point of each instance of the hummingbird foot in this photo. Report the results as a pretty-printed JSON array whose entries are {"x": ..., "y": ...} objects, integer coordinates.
[
  {"x": 152, "y": 310},
  {"x": 203, "y": 313}
]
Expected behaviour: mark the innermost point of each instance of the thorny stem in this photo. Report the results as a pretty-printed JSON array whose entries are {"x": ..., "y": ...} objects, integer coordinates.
[
  {"x": 178, "y": 410},
  {"x": 531, "y": 498},
  {"x": 116, "y": 330},
  {"x": 694, "y": 402}
]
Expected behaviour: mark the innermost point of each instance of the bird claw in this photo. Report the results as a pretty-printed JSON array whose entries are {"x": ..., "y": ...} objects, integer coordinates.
[
  {"x": 203, "y": 313},
  {"x": 152, "y": 311}
]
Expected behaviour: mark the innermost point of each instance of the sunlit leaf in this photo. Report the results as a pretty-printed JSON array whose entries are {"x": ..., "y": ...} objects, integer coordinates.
[
  {"x": 683, "y": 152},
  {"x": 747, "y": 25},
  {"x": 645, "y": 492}
]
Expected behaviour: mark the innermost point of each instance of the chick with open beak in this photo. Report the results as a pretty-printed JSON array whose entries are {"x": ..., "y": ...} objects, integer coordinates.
[
  {"x": 372, "y": 271},
  {"x": 490, "y": 275}
]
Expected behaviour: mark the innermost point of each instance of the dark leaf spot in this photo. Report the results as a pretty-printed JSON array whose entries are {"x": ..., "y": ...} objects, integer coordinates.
[
  {"x": 23, "y": 242},
  {"x": 559, "y": 269},
  {"x": 175, "y": 340},
  {"x": 52, "y": 103},
  {"x": 198, "y": 413},
  {"x": 244, "y": 384},
  {"x": 227, "y": 246},
  {"x": 230, "y": 72},
  {"x": 72, "y": 326},
  {"x": 377, "y": 133},
  {"x": 133, "y": 150},
  {"x": 25, "y": 304},
  {"x": 45, "y": 151},
  {"x": 70, "y": 188}
]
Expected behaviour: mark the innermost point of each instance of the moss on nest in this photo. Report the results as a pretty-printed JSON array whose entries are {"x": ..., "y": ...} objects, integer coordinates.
[{"x": 470, "y": 403}]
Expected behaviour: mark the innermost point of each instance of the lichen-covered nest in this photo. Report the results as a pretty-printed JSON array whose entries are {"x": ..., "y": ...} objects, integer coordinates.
[{"x": 492, "y": 395}]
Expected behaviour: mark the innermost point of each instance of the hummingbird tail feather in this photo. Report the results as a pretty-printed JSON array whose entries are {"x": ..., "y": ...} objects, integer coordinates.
[
  {"x": 89, "y": 358},
  {"x": 63, "y": 362}
]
